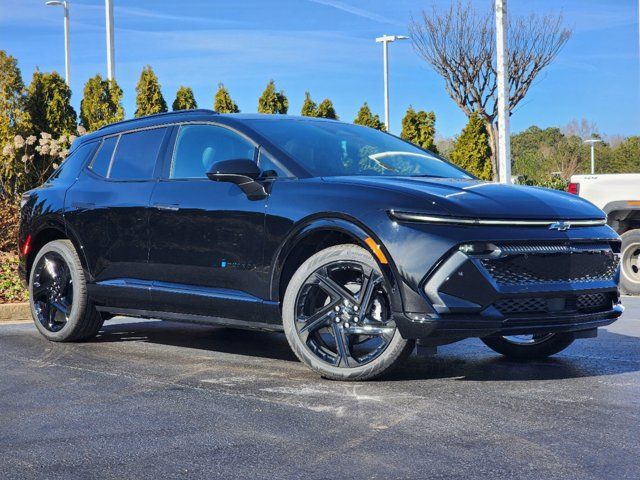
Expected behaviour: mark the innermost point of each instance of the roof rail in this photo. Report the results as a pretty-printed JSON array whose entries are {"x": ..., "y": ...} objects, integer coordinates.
[{"x": 155, "y": 115}]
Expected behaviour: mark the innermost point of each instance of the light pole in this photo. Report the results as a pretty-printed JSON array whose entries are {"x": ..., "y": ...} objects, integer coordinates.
[
  {"x": 592, "y": 142},
  {"x": 65, "y": 4},
  {"x": 504, "y": 140},
  {"x": 385, "y": 40},
  {"x": 111, "y": 51}
]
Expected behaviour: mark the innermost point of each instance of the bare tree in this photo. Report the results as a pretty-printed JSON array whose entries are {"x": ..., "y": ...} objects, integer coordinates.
[{"x": 459, "y": 44}]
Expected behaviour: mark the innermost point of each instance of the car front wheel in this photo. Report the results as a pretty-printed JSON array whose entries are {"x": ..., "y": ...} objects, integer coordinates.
[
  {"x": 529, "y": 347},
  {"x": 337, "y": 316}
]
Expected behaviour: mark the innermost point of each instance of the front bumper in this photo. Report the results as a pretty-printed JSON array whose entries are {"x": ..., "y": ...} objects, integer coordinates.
[{"x": 518, "y": 288}]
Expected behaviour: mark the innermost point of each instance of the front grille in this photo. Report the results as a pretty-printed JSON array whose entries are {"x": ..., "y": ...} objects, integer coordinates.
[
  {"x": 531, "y": 264},
  {"x": 585, "y": 303}
]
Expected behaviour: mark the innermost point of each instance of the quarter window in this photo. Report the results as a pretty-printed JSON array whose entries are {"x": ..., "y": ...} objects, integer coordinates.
[
  {"x": 198, "y": 147},
  {"x": 74, "y": 162},
  {"x": 136, "y": 155},
  {"x": 102, "y": 160}
]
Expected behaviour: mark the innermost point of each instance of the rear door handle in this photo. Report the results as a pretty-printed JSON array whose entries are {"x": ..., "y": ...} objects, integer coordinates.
[
  {"x": 83, "y": 205},
  {"x": 172, "y": 207}
]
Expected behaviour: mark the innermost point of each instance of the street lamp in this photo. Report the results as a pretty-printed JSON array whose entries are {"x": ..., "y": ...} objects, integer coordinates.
[
  {"x": 502, "y": 80},
  {"x": 111, "y": 61},
  {"x": 385, "y": 40},
  {"x": 65, "y": 4},
  {"x": 593, "y": 142}
]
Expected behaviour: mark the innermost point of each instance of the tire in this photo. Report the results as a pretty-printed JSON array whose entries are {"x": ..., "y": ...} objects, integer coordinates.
[
  {"x": 538, "y": 348},
  {"x": 60, "y": 307},
  {"x": 319, "y": 343},
  {"x": 630, "y": 263}
]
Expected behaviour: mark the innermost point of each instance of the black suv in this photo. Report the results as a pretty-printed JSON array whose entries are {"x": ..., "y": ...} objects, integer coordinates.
[{"x": 353, "y": 242}]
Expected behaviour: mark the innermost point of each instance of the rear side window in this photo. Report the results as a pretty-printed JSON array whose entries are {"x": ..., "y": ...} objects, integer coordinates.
[
  {"x": 102, "y": 160},
  {"x": 74, "y": 162},
  {"x": 136, "y": 155},
  {"x": 200, "y": 146}
]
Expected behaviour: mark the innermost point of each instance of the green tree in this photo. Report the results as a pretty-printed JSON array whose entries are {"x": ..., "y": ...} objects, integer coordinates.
[
  {"x": 625, "y": 157},
  {"x": 419, "y": 128},
  {"x": 309, "y": 107},
  {"x": 272, "y": 101},
  {"x": 184, "y": 99},
  {"x": 222, "y": 103},
  {"x": 12, "y": 98},
  {"x": 149, "y": 99},
  {"x": 368, "y": 119},
  {"x": 101, "y": 103},
  {"x": 326, "y": 110},
  {"x": 49, "y": 105},
  {"x": 472, "y": 151}
]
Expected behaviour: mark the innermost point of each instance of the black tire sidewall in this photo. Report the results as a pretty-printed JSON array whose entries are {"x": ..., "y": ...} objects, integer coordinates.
[
  {"x": 551, "y": 346},
  {"x": 65, "y": 249},
  {"x": 627, "y": 286},
  {"x": 397, "y": 349}
]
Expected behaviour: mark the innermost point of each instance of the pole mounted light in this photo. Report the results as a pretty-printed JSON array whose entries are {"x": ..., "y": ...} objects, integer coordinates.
[
  {"x": 385, "y": 40},
  {"x": 111, "y": 51},
  {"x": 502, "y": 77},
  {"x": 592, "y": 142},
  {"x": 65, "y": 5}
]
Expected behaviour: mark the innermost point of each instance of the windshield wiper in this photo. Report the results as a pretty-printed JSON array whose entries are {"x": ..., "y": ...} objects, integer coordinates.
[{"x": 428, "y": 175}]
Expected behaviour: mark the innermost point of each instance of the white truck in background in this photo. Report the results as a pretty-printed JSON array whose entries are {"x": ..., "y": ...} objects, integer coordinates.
[{"x": 619, "y": 196}]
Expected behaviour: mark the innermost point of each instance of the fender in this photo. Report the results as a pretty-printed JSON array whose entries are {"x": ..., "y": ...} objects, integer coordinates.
[{"x": 336, "y": 223}]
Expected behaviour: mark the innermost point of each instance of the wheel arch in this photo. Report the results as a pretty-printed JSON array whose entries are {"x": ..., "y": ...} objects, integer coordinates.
[
  {"x": 51, "y": 229},
  {"x": 623, "y": 215},
  {"x": 314, "y": 234}
]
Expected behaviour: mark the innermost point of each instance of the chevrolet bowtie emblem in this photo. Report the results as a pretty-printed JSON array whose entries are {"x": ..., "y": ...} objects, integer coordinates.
[{"x": 560, "y": 226}]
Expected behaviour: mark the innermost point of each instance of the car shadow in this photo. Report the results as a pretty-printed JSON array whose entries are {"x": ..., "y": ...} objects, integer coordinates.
[
  {"x": 610, "y": 354},
  {"x": 252, "y": 343}
]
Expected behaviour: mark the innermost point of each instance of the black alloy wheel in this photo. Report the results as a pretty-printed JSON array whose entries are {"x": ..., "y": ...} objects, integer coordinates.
[
  {"x": 60, "y": 307},
  {"x": 342, "y": 315},
  {"x": 52, "y": 291}
]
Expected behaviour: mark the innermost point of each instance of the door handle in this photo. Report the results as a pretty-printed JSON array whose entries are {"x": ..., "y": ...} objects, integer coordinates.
[
  {"x": 83, "y": 205},
  {"x": 172, "y": 207}
]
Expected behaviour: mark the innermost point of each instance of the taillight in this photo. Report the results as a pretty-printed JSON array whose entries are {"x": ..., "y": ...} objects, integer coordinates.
[
  {"x": 26, "y": 246},
  {"x": 574, "y": 188}
]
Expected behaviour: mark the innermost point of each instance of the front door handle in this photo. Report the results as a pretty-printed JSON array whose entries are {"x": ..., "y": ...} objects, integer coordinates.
[
  {"x": 172, "y": 207},
  {"x": 83, "y": 205}
]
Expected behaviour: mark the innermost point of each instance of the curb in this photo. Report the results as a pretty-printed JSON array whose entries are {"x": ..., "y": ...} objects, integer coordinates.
[{"x": 15, "y": 312}]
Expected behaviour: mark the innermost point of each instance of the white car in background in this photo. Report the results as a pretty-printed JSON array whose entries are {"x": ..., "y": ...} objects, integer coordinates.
[{"x": 619, "y": 196}]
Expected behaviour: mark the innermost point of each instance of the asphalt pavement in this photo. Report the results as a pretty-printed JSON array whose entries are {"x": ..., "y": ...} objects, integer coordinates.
[{"x": 151, "y": 399}]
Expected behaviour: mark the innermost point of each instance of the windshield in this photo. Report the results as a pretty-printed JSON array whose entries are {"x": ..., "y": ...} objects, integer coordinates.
[{"x": 326, "y": 149}]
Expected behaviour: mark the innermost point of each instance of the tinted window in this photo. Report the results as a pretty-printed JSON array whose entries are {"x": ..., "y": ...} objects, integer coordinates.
[
  {"x": 136, "y": 155},
  {"x": 74, "y": 162},
  {"x": 326, "y": 148},
  {"x": 101, "y": 161},
  {"x": 270, "y": 167},
  {"x": 200, "y": 146}
]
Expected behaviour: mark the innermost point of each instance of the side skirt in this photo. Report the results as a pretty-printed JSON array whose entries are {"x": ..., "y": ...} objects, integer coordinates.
[{"x": 190, "y": 318}]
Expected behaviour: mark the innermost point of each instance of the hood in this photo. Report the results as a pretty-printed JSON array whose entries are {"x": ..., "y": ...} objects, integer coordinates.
[{"x": 479, "y": 199}]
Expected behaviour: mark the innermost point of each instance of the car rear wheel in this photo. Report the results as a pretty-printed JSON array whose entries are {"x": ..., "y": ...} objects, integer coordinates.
[
  {"x": 630, "y": 262},
  {"x": 529, "y": 347},
  {"x": 58, "y": 295},
  {"x": 337, "y": 316}
]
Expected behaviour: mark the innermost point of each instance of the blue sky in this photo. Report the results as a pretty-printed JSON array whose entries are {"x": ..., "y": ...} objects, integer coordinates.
[{"x": 328, "y": 48}]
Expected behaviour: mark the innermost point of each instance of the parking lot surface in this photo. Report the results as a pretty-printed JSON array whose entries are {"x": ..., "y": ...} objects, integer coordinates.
[{"x": 150, "y": 399}]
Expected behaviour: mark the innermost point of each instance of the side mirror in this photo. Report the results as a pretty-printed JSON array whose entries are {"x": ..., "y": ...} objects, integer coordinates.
[{"x": 241, "y": 172}]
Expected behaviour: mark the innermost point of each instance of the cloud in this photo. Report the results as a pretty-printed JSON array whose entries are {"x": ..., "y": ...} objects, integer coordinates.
[{"x": 356, "y": 11}]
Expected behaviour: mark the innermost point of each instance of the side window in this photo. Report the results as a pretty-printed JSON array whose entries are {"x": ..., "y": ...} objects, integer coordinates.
[
  {"x": 136, "y": 155},
  {"x": 271, "y": 167},
  {"x": 74, "y": 162},
  {"x": 102, "y": 160},
  {"x": 200, "y": 146}
]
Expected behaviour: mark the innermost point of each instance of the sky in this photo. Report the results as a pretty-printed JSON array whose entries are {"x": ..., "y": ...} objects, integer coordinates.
[{"x": 326, "y": 47}]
